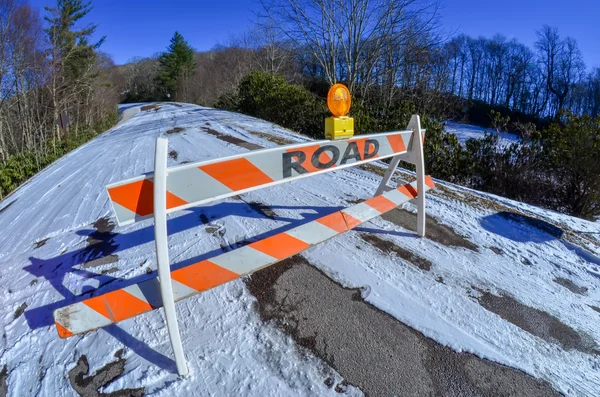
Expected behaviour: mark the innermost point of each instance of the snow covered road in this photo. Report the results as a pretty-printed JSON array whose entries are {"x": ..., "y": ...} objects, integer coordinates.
[{"x": 522, "y": 289}]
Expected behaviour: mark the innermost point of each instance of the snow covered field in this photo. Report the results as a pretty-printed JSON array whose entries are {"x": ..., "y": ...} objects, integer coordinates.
[
  {"x": 58, "y": 242},
  {"x": 466, "y": 131}
]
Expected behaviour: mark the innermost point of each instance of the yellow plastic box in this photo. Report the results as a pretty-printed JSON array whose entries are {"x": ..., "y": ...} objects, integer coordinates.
[{"x": 339, "y": 128}]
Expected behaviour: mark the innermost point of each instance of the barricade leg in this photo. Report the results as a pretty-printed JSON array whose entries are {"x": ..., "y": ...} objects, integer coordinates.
[
  {"x": 162, "y": 251},
  {"x": 420, "y": 164},
  {"x": 415, "y": 156}
]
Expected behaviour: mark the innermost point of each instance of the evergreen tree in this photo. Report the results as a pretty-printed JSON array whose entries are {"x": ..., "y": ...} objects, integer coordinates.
[
  {"x": 176, "y": 64},
  {"x": 72, "y": 58}
]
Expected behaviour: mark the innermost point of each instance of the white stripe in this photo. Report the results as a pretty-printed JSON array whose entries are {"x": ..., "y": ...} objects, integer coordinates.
[
  {"x": 243, "y": 260},
  {"x": 182, "y": 291},
  {"x": 396, "y": 197},
  {"x": 362, "y": 212},
  {"x": 312, "y": 233},
  {"x": 147, "y": 291},
  {"x": 194, "y": 185},
  {"x": 81, "y": 318}
]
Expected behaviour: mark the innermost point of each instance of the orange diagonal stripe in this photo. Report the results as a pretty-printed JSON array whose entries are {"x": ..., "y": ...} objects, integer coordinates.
[
  {"x": 62, "y": 331},
  {"x": 139, "y": 197},
  {"x": 397, "y": 143},
  {"x": 351, "y": 221},
  {"x": 237, "y": 174},
  {"x": 408, "y": 191},
  {"x": 135, "y": 196},
  {"x": 203, "y": 275},
  {"x": 118, "y": 305},
  {"x": 429, "y": 182},
  {"x": 380, "y": 203},
  {"x": 280, "y": 246},
  {"x": 334, "y": 221}
]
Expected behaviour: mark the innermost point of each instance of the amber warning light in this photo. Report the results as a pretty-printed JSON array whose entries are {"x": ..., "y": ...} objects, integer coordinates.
[{"x": 339, "y": 101}]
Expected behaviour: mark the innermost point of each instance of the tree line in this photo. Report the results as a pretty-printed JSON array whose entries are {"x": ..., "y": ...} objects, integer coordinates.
[
  {"x": 49, "y": 66},
  {"x": 392, "y": 54}
]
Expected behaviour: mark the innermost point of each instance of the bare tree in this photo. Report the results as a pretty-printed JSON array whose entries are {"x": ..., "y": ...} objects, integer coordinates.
[
  {"x": 562, "y": 63},
  {"x": 348, "y": 38}
]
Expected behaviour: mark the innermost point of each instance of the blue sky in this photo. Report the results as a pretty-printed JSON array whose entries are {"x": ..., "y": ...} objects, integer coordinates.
[{"x": 144, "y": 27}]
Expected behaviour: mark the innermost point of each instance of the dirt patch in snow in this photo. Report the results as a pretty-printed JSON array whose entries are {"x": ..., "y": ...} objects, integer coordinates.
[
  {"x": 272, "y": 138},
  {"x": 389, "y": 247},
  {"x": 571, "y": 286},
  {"x": 100, "y": 245},
  {"x": 88, "y": 385},
  {"x": 175, "y": 104},
  {"x": 597, "y": 309},
  {"x": 173, "y": 154},
  {"x": 263, "y": 209},
  {"x": 175, "y": 130},
  {"x": 433, "y": 229},
  {"x": 19, "y": 310},
  {"x": 6, "y": 206},
  {"x": 231, "y": 139},
  {"x": 372, "y": 168},
  {"x": 40, "y": 243},
  {"x": 369, "y": 348},
  {"x": 497, "y": 250},
  {"x": 3, "y": 383},
  {"x": 147, "y": 108},
  {"x": 538, "y": 323}
]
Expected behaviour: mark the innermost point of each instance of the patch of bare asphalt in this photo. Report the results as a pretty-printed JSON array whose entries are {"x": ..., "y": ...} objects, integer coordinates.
[
  {"x": 272, "y": 138},
  {"x": 109, "y": 271},
  {"x": 154, "y": 107},
  {"x": 538, "y": 323},
  {"x": 389, "y": 247},
  {"x": 100, "y": 245},
  {"x": 435, "y": 231},
  {"x": 173, "y": 154},
  {"x": 87, "y": 385},
  {"x": 19, "y": 310},
  {"x": 231, "y": 139},
  {"x": 571, "y": 286},
  {"x": 175, "y": 130},
  {"x": 369, "y": 348},
  {"x": 3, "y": 382},
  {"x": 175, "y": 104},
  {"x": 6, "y": 206}
]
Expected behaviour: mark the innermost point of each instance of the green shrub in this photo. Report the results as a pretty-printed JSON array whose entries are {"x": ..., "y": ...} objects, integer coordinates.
[
  {"x": 270, "y": 97},
  {"x": 22, "y": 166}
]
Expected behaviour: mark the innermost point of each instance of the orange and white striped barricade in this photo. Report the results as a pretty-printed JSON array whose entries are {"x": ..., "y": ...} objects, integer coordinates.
[{"x": 168, "y": 190}]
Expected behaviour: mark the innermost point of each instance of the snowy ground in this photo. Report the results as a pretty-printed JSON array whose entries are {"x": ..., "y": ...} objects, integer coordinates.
[
  {"x": 56, "y": 246},
  {"x": 466, "y": 131}
]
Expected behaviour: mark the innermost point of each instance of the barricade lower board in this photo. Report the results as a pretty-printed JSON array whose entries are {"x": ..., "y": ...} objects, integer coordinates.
[{"x": 118, "y": 305}]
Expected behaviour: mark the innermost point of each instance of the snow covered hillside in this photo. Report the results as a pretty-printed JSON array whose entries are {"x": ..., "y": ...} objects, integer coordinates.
[
  {"x": 508, "y": 282},
  {"x": 467, "y": 131}
]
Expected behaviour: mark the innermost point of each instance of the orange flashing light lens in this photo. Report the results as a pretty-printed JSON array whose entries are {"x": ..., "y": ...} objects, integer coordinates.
[{"x": 338, "y": 100}]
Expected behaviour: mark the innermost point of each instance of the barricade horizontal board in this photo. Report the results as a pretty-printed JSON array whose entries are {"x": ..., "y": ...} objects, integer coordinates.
[
  {"x": 193, "y": 184},
  {"x": 115, "y": 306}
]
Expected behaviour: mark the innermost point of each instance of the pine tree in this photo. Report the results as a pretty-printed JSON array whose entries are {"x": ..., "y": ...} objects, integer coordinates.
[
  {"x": 176, "y": 64},
  {"x": 72, "y": 57}
]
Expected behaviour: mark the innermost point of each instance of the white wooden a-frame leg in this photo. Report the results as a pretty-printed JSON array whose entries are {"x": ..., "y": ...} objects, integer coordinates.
[{"x": 162, "y": 251}]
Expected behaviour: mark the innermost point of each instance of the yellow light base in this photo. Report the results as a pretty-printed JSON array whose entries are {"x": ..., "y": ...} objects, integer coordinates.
[{"x": 339, "y": 128}]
